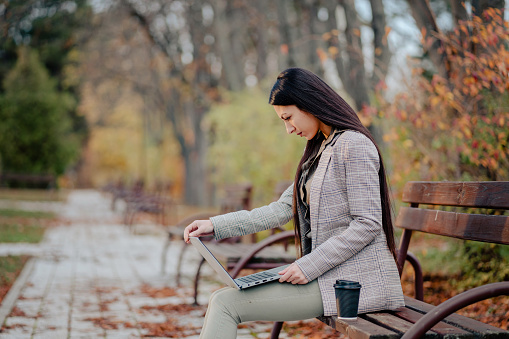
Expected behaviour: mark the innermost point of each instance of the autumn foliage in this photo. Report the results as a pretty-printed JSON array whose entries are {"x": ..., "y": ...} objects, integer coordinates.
[{"x": 453, "y": 127}]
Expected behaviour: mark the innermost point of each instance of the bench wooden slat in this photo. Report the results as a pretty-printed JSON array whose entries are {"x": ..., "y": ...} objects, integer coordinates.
[
  {"x": 394, "y": 323},
  {"x": 493, "y": 194},
  {"x": 237, "y": 197},
  {"x": 460, "y": 321},
  {"x": 488, "y": 228},
  {"x": 441, "y": 328},
  {"x": 360, "y": 328}
]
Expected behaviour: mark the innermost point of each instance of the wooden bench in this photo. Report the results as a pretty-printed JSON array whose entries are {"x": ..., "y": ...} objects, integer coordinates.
[
  {"x": 138, "y": 200},
  {"x": 447, "y": 211},
  {"x": 118, "y": 191},
  {"x": 235, "y": 197},
  {"x": 24, "y": 180}
]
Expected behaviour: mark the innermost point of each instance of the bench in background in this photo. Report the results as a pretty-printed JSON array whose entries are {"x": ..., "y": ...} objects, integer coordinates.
[
  {"x": 24, "y": 180},
  {"x": 236, "y": 197}
]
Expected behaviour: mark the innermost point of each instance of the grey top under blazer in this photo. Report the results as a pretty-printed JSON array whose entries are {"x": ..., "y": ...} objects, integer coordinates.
[{"x": 348, "y": 241}]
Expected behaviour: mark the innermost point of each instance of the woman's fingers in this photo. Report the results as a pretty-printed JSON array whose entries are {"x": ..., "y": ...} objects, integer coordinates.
[
  {"x": 284, "y": 270},
  {"x": 189, "y": 228},
  {"x": 293, "y": 274},
  {"x": 198, "y": 228}
]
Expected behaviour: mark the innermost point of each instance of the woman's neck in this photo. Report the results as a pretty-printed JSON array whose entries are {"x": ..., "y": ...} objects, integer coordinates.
[{"x": 325, "y": 129}]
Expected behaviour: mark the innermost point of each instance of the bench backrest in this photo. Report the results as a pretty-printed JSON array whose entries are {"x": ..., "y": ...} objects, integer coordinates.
[
  {"x": 470, "y": 226},
  {"x": 236, "y": 197},
  {"x": 280, "y": 188}
]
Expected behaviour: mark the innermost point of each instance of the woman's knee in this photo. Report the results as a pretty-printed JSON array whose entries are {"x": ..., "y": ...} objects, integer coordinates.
[
  {"x": 219, "y": 295},
  {"x": 223, "y": 301}
]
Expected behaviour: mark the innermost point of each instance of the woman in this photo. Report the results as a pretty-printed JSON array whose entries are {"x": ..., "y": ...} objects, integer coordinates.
[{"x": 341, "y": 209}]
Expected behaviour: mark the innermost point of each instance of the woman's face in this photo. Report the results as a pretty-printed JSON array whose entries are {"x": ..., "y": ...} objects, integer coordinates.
[{"x": 299, "y": 122}]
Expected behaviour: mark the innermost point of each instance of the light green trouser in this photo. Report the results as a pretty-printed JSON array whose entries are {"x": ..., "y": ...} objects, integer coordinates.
[{"x": 273, "y": 301}]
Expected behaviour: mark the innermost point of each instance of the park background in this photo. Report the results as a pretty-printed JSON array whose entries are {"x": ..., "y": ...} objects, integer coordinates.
[
  {"x": 176, "y": 91},
  {"x": 174, "y": 94}
]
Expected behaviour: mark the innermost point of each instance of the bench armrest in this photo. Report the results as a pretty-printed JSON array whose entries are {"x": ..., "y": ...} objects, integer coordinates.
[{"x": 454, "y": 304}]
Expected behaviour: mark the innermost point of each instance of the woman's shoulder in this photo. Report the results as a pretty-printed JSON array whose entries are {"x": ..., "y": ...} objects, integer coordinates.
[
  {"x": 353, "y": 137},
  {"x": 352, "y": 143}
]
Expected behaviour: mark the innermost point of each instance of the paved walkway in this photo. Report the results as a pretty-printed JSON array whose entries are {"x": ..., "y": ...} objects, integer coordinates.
[{"x": 91, "y": 278}]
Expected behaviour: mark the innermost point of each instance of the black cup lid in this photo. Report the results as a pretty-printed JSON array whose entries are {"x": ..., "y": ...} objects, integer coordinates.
[{"x": 346, "y": 282}]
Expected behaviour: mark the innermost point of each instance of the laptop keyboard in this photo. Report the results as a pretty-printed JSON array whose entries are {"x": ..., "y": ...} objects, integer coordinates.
[{"x": 256, "y": 277}]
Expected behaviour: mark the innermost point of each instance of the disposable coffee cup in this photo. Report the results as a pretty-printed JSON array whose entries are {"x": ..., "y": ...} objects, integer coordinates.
[{"x": 347, "y": 299}]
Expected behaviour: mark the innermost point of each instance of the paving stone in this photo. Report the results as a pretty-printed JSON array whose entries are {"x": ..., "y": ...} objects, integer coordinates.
[
  {"x": 121, "y": 335},
  {"x": 29, "y": 307},
  {"x": 81, "y": 316},
  {"x": 15, "y": 334},
  {"x": 151, "y": 317},
  {"x": 84, "y": 325},
  {"x": 48, "y": 323},
  {"x": 51, "y": 333},
  {"x": 86, "y": 335},
  {"x": 19, "y": 322}
]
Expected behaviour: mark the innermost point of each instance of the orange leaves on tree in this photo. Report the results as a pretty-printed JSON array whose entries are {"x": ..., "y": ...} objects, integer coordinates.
[
  {"x": 466, "y": 112},
  {"x": 322, "y": 55},
  {"x": 284, "y": 49}
]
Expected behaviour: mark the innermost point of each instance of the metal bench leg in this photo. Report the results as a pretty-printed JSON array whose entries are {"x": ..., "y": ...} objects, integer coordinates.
[
  {"x": 179, "y": 263},
  {"x": 164, "y": 254},
  {"x": 419, "y": 285},
  {"x": 131, "y": 222},
  {"x": 129, "y": 216},
  {"x": 276, "y": 329},
  {"x": 196, "y": 280}
]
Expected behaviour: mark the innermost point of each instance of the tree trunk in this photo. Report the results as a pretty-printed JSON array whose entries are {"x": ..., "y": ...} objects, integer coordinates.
[
  {"x": 425, "y": 19},
  {"x": 223, "y": 28},
  {"x": 309, "y": 18},
  {"x": 333, "y": 42},
  {"x": 382, "y": 53},
  {"x": 262, "y": 40},
  {"x": 459, "y": 12},
  {"x": 287, "y": 52},
  {"x": 355, "y": 82},
  {"x": 188, "y": 104}
]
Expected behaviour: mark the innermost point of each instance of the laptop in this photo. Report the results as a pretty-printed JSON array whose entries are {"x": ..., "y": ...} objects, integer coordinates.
[{"x": 239, "y": 283}]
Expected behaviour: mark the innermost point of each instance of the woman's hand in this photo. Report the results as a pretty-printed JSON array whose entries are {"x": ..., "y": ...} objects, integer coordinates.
[
  {"x": 293, "y": 274},
  {"x": 198, "y": 228}
]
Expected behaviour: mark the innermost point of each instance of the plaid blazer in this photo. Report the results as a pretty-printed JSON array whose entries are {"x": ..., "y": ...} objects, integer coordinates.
[{"x": 348, "y": 241}]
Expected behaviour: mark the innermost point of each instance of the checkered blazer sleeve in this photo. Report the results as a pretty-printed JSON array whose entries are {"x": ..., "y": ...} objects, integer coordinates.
[
  {"x": 356, "y": 158},
  {"x": 244, "y": 222}
]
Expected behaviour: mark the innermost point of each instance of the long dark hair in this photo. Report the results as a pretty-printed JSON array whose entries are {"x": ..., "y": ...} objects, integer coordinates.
[{"x": 307, "y": 91}]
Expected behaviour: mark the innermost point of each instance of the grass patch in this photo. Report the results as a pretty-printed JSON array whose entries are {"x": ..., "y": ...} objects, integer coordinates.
[
  {"x": 21, "y": 233},
  {"x": 12, "y": 213},
  {"x": 10, "y": 267},
  {"x": 23, "y": 226},
  {"x": 33, "y": 194}
]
